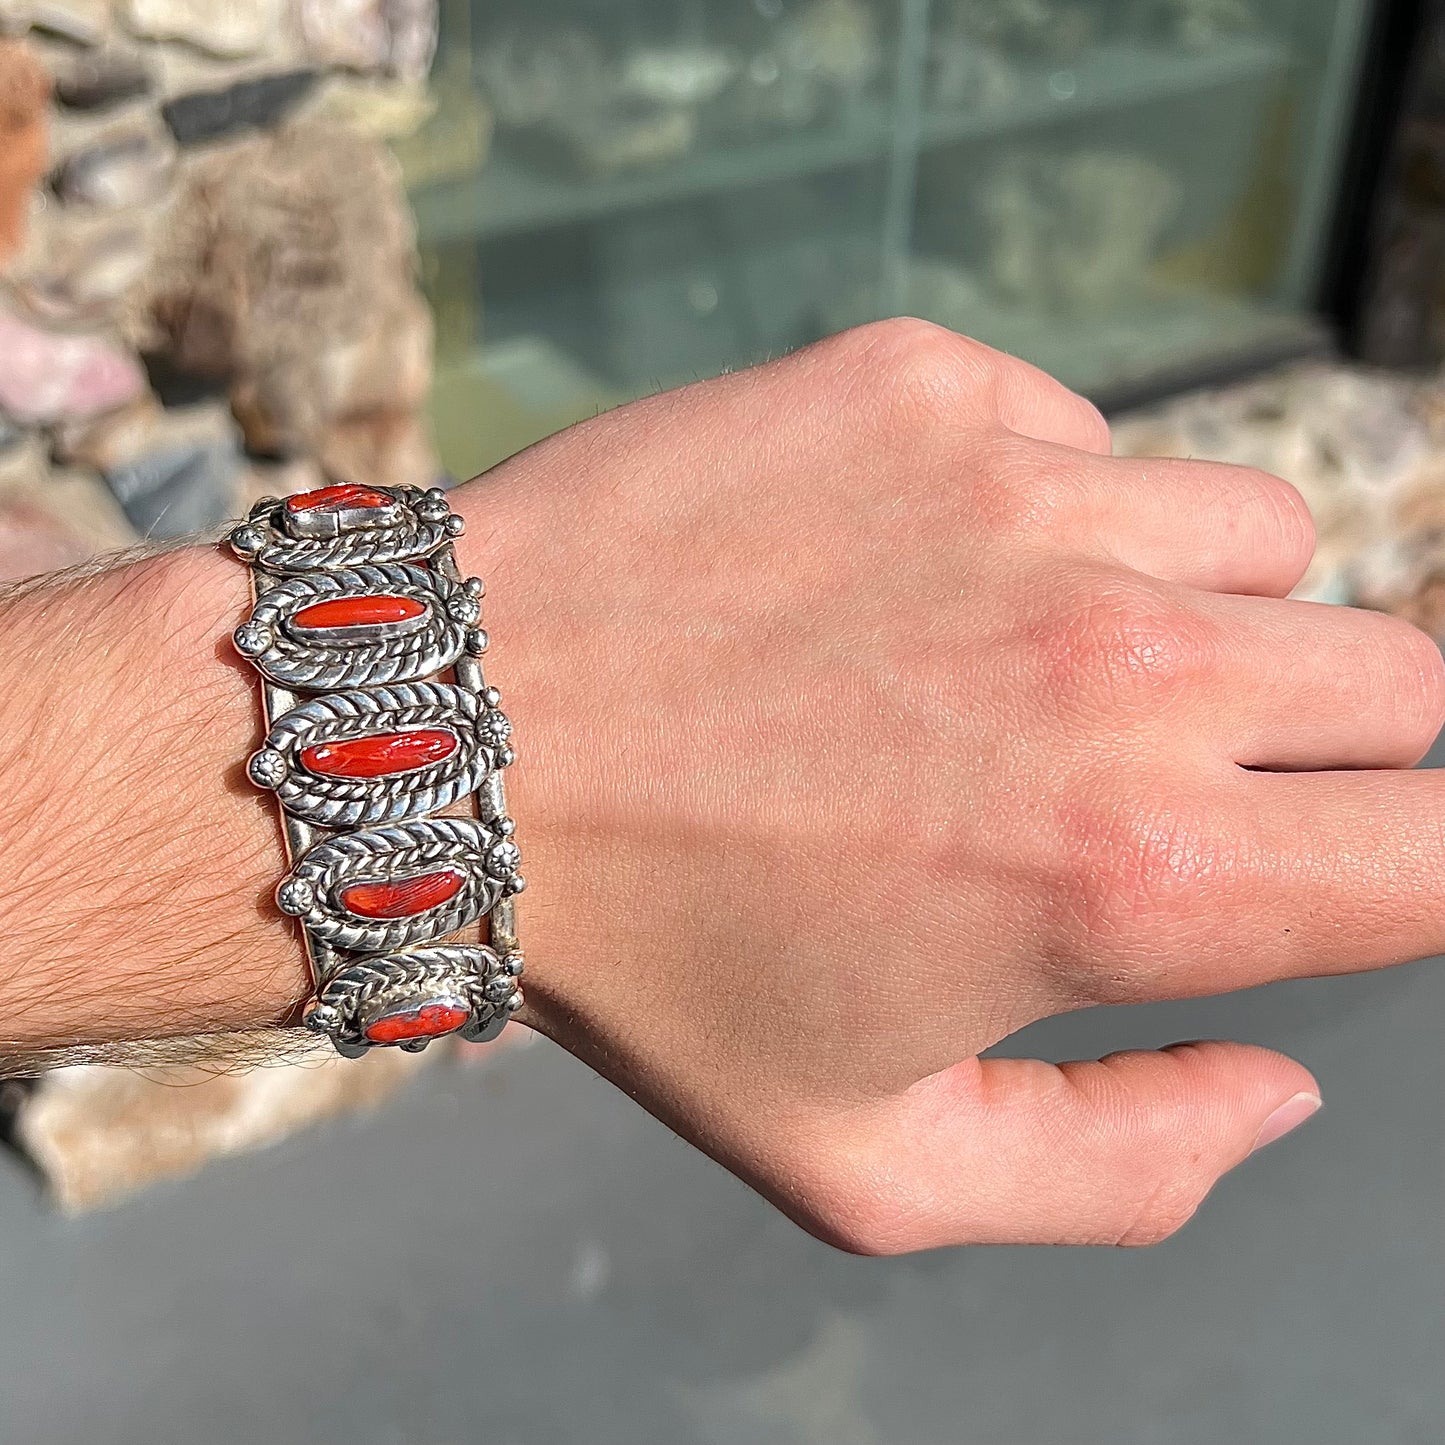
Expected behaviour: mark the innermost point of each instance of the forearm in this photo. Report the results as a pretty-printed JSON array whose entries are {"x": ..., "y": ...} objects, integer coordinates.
[{"x": 139, "y": 863}]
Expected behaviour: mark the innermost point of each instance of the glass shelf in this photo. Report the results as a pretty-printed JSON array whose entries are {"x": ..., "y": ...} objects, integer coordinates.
[{"x": 509, "y": 195}]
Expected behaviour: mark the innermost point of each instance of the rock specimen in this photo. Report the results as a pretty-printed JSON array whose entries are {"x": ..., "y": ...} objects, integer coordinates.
[
  {"x": 287, "y": 275},
  {"x": 96, "y": 79},
  {"x": 24, "y": 132},
  {"x": 130, "y": 169},
  {"x": 79, "y": 275},
  {"x": 1075, "y": 232},
  {"x": 207, "y": 115},
  {"x": 83, "y": 22},
  {"x": 46, "y": 375},
  {"x": 98, "y": 1133},
  {"x": 396, "y": 37},
  {"x": 227, "y": 28},
  {"x": 183, "y": 489}
]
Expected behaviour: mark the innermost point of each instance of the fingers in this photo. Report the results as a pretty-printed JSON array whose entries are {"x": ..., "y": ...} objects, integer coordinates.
[
  {"x": 1011, "y": 1151},
  {"x": 1306, "y": 685},
  {"x": 1356, "y": 871},
  {"x": 1210, "y": 525}
]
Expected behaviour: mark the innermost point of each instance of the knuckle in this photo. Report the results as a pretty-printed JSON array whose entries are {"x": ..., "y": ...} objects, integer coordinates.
[
  {"x": 1131, "y": 870},
  {"x": 1025, "y": 493},
  {"x": 916, "y": 370},
  {"x": 1123, "y": 642}
]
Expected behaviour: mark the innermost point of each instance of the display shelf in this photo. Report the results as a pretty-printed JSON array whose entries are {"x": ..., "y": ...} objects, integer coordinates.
[
  {"x": 1110, "y": 77},
  {"x": 509, "y": 196}
]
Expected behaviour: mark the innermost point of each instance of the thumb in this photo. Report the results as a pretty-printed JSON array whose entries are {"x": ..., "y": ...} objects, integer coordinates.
[{"x": 1120, "y": 1150}]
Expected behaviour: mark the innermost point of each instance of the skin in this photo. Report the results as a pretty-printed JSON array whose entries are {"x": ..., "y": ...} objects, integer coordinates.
[{"x": 867, "y": 710}]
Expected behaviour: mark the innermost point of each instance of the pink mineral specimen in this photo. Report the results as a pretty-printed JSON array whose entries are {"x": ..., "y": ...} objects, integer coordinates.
[{"x": 50, "y": 376}]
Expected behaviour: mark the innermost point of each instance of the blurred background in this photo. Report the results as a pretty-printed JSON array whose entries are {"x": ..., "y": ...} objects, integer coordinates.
[{"x": 246, "y": 248}]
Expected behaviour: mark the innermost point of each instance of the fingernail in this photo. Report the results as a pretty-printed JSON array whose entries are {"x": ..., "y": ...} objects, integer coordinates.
[{"x": 1290, "y": 1115}]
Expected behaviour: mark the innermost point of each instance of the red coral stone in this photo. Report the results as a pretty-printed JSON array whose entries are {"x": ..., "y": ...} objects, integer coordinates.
[
  {"x": 381, "y": 754},
  {"x": 405, "y": 897},
  {"x": 335, "y": 499},
  {"x": 426, "y": 1021},
  {"x": 357, "y": 611}
]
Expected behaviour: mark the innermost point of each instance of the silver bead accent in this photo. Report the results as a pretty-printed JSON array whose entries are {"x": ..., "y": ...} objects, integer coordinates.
[
  {"x": 503, "y": 858},
  {"x": 455, "y": 525},
  {"x": 296, "y": 896},
  {"x": 251, "y": 639},
  {"x": 267, "y": 768},
  {"x": 477, "y": 641},
  {"x": 246, "y": 541},
  {"x": 474, "y": 587},
  {"x": 464, "y": 608}
]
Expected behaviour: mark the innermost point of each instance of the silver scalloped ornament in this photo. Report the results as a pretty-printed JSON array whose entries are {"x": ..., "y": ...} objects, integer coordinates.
[
  {"x": 359, "y": 626},
  {"x": 385, "y": 888},
  {"x": 381, "y": 755}
]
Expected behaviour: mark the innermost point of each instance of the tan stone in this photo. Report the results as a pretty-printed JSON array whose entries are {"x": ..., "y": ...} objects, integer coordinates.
[
  {"x": 288, "y": 271},
  {"x": 231, "y": 29},
  {"x": 98, "y": 1133}
]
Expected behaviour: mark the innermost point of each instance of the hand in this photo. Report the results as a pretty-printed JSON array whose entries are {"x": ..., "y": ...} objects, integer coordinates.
[{"x": 868, "y": 710}]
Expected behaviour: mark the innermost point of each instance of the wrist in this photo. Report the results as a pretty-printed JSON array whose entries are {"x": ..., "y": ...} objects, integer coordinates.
[{"x": 146, "y": 908}]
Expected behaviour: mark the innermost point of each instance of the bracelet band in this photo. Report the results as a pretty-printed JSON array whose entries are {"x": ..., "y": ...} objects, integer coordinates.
[{"x": 359, "y": 617}]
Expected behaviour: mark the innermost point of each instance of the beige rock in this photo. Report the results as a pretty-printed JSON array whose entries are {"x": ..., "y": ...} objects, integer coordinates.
[
  {"x": 98, "y": 1133},
  {"x": 288, "y": 271},
  {"x": 84, "y": 22},
  {"x": 77, "y": 502},
  {"x": 83, "y": 268},
  {"x": 387, "y": 110},
  {"x": 398, "y": 37},
  {"x": 142, "y": 429},
  {"x": 230, "y": 29}
]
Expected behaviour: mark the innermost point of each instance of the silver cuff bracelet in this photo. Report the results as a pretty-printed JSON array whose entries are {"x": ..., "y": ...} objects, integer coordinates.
[{"x": 378, "y": 717}]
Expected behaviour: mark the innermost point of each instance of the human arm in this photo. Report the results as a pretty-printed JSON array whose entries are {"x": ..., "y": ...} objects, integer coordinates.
[{"x": 867, "y": 710}]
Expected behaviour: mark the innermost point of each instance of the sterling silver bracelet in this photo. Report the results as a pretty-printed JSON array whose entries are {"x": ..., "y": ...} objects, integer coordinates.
[{"x": 360, "y": 616}]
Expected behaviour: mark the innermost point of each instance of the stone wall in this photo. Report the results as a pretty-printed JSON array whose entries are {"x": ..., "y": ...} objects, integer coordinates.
[{"x": 206, "y": 259}]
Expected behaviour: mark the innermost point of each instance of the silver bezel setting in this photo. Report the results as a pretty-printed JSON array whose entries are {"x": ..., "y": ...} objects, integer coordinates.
[
  {"x": 267, "y": 538},
  {"x": 352, "y": 999},
  {"x": 348, "y": 802},
  {"x": 316, "y": 660},
  {"x": 313, "y": 888}
]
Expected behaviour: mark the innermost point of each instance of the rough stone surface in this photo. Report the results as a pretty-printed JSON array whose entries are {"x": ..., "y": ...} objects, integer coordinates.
[
  {"x": 84, "y": 22},
  {"x": 77, "y": 275},
  {"x": 289, "y": 274},
  {"x": 47, "y": 375},
  {"x": 397, "y": 37},
  {"x": 98, "y": 79},
  {"x": 209, "y": 115},
  {"x": 178, "y": 490},
  {"x": 219, "y": 27},
  {"x": 24, "y": 139},
  {"x": 131, "y": 169},
  {"x": 98, "y": 1133}
]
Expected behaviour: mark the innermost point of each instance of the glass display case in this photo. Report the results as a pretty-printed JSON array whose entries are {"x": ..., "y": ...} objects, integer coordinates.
[{"x": 619, "y": 195}]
